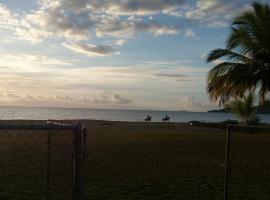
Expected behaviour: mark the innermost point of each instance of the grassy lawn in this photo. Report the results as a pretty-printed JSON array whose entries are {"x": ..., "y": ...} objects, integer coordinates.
[{"x": 133, "y": 161}]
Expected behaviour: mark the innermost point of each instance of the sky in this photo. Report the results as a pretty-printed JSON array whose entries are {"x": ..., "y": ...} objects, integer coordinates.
[{"x": 119, "y": 54}]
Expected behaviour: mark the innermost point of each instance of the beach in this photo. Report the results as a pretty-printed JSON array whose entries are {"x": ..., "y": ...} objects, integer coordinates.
[
  {"x": 138, "y": 160},
  {"x": 173, "y": 161}
]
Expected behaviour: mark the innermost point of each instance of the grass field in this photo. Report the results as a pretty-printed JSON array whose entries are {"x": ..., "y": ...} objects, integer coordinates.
[{"x": 133, "y": 161}]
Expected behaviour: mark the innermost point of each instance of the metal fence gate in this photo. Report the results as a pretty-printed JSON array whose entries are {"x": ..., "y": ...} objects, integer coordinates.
[
  {"x": 42, "y": 160},
  {"x": 247, "y": 164}
]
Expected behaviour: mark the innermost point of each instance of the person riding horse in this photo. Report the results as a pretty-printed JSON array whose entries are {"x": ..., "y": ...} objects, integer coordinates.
[
  {"x": 148, "y": 118},
  {"x": 166, "y": 119}
]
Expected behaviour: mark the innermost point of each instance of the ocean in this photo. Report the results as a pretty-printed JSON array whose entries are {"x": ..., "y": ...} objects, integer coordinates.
[{"x": 9, "y": 113}]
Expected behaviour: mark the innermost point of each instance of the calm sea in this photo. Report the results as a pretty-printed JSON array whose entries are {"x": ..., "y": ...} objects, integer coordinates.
[{"x": 113, "y": 115}]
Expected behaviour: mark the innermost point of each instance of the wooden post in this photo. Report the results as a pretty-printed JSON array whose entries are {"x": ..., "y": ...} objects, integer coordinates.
[
  {"x": 84, "y": 155},
  {"x": 227, "y": 162},
  {"x": 77, "y": 176},
  {"x": 48, "y": 164}
]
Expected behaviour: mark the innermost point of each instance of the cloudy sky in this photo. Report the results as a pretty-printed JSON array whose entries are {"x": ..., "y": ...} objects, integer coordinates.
[{"x": 123, "y": 54}]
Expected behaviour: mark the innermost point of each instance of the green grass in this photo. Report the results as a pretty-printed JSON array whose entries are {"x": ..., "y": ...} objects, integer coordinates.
[{"x": 133, "y": 161}]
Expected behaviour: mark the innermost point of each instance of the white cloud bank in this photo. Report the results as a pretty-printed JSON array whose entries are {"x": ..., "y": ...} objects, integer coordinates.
[
  {"x": 12, "y": 99},
  {"x": 190, "y": 103},
  {"x": 30, "y": 81}
]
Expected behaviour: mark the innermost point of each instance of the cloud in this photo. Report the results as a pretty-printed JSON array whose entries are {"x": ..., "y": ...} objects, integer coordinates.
[
  {"x": 189, "y": 101},
  {"x": 120, "y": 42},
  {"x": 171, "y": 75},
  {"x": 132, "y": 7},
  {"x": 77, "y": 23},
  {"x": 121, "y": 100},
  {"x": 32, "y": 100},
  {"x": 7, "y": 20},
  {"x": 17, "y": 27},
  {"x": 189, "y": 33},
  {"x": 183, "y": 80},
  {"x": 140, "y": 84},
  {"x": 215, "y": 13},
  {"x": 92, "y": 50},
  {"x": 56, "y": 19},
  {"x": 81, "y": 20},
  {"x": 128, "y": 28},
  {"x": 105, "y": 98},
  {"x": 192, "y": 104},
  {"x": 28, "y": 61}
]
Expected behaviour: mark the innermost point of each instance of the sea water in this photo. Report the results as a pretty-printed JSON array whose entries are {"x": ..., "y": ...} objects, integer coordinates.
[{"x": 113, "y": 115}]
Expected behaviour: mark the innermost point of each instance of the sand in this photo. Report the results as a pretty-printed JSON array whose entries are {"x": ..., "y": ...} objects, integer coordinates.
[{"x": 130, "y": 161}]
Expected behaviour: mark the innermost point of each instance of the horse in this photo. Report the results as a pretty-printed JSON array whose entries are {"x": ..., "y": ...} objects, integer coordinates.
[
  {"x": 166, "y": 119},
  {"x": 148, "y": 118}
]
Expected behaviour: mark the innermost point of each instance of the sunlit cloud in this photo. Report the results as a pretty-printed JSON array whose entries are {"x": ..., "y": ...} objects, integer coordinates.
[
  {"x": 110, "y": 53},
  {"x": 123, "y": 85},
  {"x": 191, "y": 103},
  {"x": 29, "y": 60},
  {"x": 68, "y": 101},
  {"x": 128, "y": 28},
  {"x": 215, "y": 13},
  {"x": 92, "y": 50},
  {"x": 190, "y": 33}
]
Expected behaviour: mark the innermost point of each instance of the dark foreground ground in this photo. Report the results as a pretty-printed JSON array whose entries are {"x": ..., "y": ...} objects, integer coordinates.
[{"x": 132, "y": 161}]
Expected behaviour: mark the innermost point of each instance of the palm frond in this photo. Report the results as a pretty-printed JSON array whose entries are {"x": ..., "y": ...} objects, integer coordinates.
[
  {"x": 243, "y": 108},
  {"x": 247, "y": 56},
  {"x": 226, "y": 53}
]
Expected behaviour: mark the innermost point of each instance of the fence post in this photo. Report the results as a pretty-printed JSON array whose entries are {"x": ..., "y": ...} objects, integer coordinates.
[
  {"x": 48, "y": 164},
  {"x": 227, "y": 162},
  {"x": 78, "y": 176},
  {"x": 84, "y": 152}
]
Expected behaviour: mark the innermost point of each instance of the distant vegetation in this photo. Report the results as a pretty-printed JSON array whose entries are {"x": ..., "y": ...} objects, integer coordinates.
[
  {"x": 263, "y": 109},
  {"x": 244, "y": 109}
]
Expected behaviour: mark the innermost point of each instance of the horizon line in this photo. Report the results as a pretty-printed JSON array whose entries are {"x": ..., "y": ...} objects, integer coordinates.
[{"x": 155, "y": 110}]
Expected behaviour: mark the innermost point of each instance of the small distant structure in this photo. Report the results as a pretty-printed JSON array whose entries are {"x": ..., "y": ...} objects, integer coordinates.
[
  {"x": 148, "y": 118},
  {"x": 166, "y": 119},
  {"x": 193, "y": 123}
]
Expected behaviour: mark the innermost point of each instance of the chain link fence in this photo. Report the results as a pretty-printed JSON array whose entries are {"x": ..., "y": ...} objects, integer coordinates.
[
  {"x": 248, "y": 156},
  {"x": 41, "y": 160}
]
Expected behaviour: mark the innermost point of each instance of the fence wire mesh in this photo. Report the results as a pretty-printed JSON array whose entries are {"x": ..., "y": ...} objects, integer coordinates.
[
  {"x": 23, "y": 164},
  {"x": 154, "y": 161},
  {"x": 60, "y": 166},
  {"x": 37, "y": 161},
  {"x": 249, "y": 163}
]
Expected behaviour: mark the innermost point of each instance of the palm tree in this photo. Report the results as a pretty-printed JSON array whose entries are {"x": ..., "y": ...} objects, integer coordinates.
[
  {"x": 244, "y": 109},
  {"x": 247, "y": 58}
]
